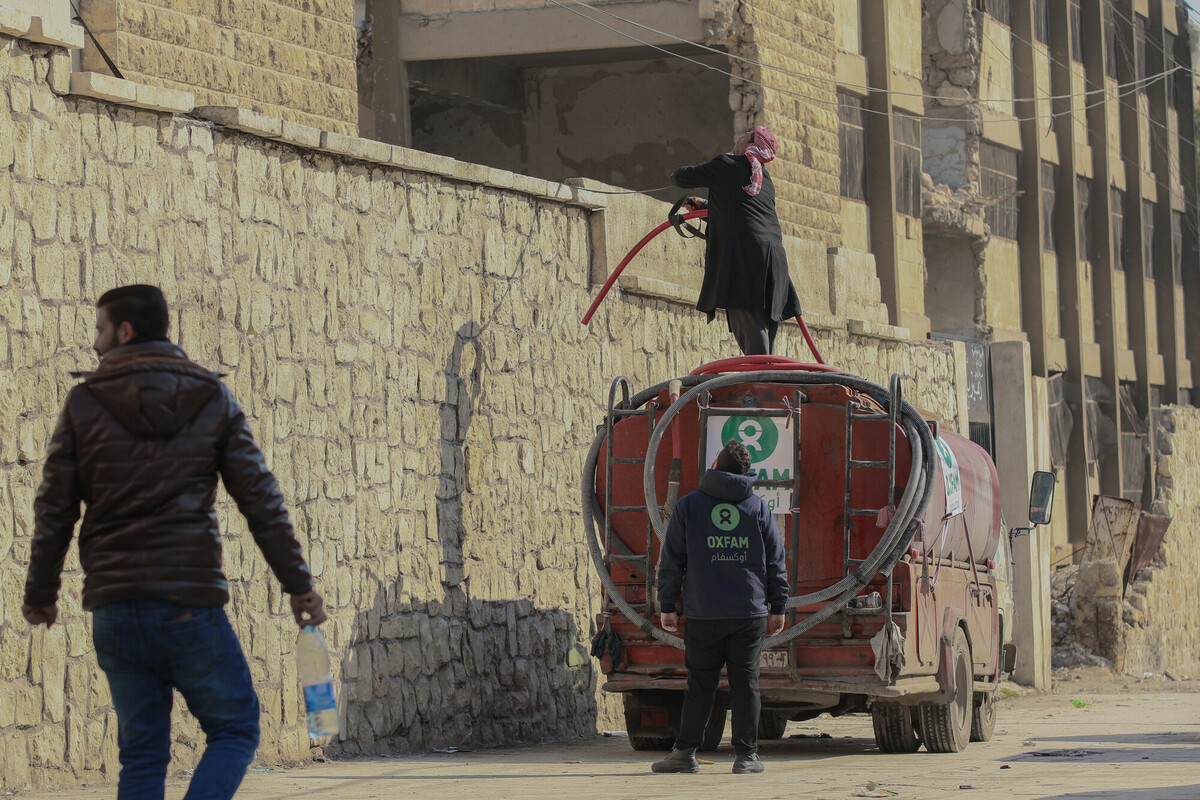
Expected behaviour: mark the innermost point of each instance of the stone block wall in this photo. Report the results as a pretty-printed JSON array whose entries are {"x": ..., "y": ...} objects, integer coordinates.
[
  {"x": 293, "y": 59},
  {"x": 1162, "y": 607},
  {"x": 406, "y": 345},
  {"x": 797, "y": 39}
]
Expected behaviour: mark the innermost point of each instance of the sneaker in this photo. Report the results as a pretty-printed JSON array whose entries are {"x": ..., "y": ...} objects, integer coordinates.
[
  {"x": 746, "y": 764},
  {"x": 678, "y": 761}
]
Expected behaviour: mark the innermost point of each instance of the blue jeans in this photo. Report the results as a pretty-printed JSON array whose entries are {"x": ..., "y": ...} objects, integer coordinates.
[{"x": 147, "y": 648}]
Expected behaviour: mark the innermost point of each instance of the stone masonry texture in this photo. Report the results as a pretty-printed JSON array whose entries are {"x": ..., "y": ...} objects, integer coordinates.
[
  {"x": 293, "y": 59},
  {"x": 1161, "y": 612},
  {"x": 798, "y": 103},
  {"x": 408, "y": 351}
]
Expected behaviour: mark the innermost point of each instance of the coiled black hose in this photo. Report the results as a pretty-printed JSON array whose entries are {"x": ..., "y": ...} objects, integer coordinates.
[{"x": 890, "y": 549}]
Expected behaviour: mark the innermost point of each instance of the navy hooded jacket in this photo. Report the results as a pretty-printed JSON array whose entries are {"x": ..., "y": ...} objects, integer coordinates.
[{"x": 724, "y": 539}]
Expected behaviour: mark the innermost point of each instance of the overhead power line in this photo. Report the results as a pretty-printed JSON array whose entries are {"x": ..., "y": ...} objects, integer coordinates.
[{"x": 811, "y": 98}]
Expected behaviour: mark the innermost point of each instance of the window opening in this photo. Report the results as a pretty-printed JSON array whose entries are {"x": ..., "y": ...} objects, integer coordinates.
[
  {"x": 1041, "y": 21},
  {"x": 907, "y": 153},
  {"x": 1148, "y": 239},
  {"x": 1110, "y": 41},
  {"x": 1083, "y": 220},
  {"x": 1076, "y": 20},
  {"x": 1117, "y": 201},
  {"x": 1177, "y": 247},
  {"x": 1139, "y": 50},
  {"x": 852, "y": 147},
  {"x": 1049, "y": 180},
  {"x": 998, "y": 182},
  {"x": 999, "y": 10}
]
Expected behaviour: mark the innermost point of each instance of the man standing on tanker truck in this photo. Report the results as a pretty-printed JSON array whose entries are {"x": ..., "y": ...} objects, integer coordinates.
[
  {"x": 722, "y": 540},
  {"x": 745, "y": 266}
]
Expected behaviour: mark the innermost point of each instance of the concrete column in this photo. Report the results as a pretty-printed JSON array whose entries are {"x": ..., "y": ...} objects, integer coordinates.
[
  {"x": 1013, "y": 395},
  {"x": 384, "y": 82}
]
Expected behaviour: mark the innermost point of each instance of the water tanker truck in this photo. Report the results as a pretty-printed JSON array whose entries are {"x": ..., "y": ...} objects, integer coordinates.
[{"x": 890, "y": 522}]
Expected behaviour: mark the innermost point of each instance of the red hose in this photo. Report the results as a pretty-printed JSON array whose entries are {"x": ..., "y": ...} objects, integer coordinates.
[
  {"x": 756, "y": 363},
  {"x": 637, "y": 248},
  {"x": 808, "y": 338}
]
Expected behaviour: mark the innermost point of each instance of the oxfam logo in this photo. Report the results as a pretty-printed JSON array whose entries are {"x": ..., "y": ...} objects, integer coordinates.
[
  {"x": 760, "y": 439},
  {"x": 726, "y": 517}
]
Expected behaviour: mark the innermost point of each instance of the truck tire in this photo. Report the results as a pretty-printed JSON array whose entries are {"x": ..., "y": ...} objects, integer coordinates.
[
  {"x": 659, "y": 734},
  {"x": 895, "y": 729},
  {"x": 651, "y": 742},
  {"x": 983, "y": 717},
  {"x": 947, "y": 726},
  {"x": 772, "y": 724}
]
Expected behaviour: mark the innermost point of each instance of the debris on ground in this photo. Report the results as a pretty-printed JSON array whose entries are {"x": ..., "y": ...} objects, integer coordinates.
[
  {"x": 1080, "y": 703},
  {"x": 1070, "y": 753},
  {"x": 873, "y": 789},
  {"x": 1067, "y": 653},
  {"x": 811, "y": 736}
]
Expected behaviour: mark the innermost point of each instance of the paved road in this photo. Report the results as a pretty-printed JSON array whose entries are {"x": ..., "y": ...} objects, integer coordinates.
[{"x": 1136, "y": 745}]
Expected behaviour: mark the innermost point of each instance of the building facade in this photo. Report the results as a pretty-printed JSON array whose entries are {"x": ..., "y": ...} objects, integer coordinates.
[
  {"x": 1019, "y": 170},
  {"x": 978, "y": 199}
]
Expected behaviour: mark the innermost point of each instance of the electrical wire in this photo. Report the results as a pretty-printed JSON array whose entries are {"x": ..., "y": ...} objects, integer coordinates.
[
  {"x": 1111, "y": 145},
  {"x": 822, "y": 79},
  {"x": 1106, "y": 91},
  {"x": 629, "y": 191},
  {"x": 798, "y": 95},
  {"x": 1008, "y": 54}
]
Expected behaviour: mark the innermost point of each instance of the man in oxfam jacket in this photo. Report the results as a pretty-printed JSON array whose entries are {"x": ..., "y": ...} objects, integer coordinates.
[
  {"x": 724, "y": 553},
  {"x": 142, "y": 441}
]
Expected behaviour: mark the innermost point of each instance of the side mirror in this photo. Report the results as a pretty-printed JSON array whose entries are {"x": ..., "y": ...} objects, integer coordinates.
[{"x": 1041, "y": 498}]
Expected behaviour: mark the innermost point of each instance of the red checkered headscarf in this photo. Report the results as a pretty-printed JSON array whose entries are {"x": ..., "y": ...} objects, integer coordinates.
[{"x": 760, "y": 151}]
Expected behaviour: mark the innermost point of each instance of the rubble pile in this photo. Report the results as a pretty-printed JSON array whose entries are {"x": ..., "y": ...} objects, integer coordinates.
[{"x": 1066, "y": 651}]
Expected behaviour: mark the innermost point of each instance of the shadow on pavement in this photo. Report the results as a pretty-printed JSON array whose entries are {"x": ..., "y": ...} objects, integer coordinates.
[
  {"x": 441, "y": 776},
  {"x": 1191, "y": 792},
  {"x": 1165, "y": 737},
  {"x": 1113, "y": 755}
]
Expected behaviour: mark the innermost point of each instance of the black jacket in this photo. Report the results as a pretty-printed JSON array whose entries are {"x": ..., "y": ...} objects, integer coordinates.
[
  {"x": 141, "y": 441},
  {"x": 722, "y": 539},
  {"x": 745, "y": 265}
]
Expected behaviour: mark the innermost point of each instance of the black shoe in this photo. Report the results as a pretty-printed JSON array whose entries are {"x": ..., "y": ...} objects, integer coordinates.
[
  {"x": 746, "y": 764},
  {"x": 678, "y": 761}
]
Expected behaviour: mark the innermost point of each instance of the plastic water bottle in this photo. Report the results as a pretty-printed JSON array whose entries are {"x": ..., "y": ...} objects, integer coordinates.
[{"x": 312, "y": 661}]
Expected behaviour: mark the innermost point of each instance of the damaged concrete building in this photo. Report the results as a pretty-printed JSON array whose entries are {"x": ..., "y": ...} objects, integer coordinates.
[
  {"x": 1018, "y": 170},
  {"x": 360, "y": 212}
]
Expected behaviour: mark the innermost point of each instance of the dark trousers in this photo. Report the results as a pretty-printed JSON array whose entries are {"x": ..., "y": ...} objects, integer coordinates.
[
  {"x": 146, "y": 648},
  {"x": 753, "y": 329},
  {"x": 711, "y": 644}
]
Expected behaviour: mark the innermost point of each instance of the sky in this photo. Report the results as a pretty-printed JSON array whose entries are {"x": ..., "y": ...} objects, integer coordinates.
[{"x": 1195, "y": 6}]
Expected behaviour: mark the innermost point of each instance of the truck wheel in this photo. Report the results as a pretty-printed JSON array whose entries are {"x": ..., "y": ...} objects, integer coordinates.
[
  {"x": 895, "y": 729},
  {"x": 715, "y": 728},
  {"x": 772, "y": 724},
  {"x": 651, "y": 742},
  {"x": 947, "y": 726},
  {"x": 652, "y": 718},
  {"x": 983, "y": 717}
]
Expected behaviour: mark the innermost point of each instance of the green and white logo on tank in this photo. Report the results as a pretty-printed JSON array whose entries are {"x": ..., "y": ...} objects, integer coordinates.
[
  {"x": 771, "y": 446},
  {"x": 952, "y": 477}
]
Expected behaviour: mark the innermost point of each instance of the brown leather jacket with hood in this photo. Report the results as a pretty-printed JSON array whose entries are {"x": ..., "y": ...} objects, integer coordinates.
[{"x": 141, "y": 442}]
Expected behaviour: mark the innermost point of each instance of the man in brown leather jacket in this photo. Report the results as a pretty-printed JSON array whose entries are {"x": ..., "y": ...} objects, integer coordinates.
[{"x": 142, "y": 441}]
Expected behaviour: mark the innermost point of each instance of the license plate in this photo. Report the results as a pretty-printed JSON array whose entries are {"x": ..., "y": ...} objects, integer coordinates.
[{"x": 773, "y": 658}]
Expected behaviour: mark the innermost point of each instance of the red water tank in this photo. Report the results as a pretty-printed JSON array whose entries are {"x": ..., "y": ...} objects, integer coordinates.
[{"x": 966, "y": 486}]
